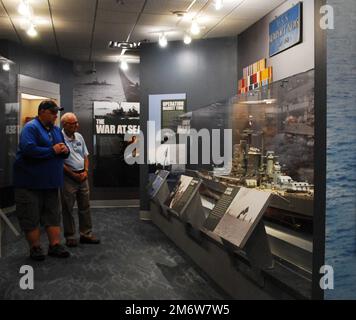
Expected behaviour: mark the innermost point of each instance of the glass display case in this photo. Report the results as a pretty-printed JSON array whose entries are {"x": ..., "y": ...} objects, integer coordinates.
[
  {"x": 11, "y": 114},
  {"x": 273, "y": 146},
  {"x": 272, "y": 130}
]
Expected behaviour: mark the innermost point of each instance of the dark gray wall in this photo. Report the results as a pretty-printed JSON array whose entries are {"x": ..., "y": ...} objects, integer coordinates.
[
  {"x": 46, "y": 67},
  {"x": 206, "y": 71},
  {"x": 5, "y": 97}
]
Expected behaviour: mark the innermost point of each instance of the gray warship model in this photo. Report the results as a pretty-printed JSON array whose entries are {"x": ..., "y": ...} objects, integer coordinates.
[{"x": 292, "y": 202}]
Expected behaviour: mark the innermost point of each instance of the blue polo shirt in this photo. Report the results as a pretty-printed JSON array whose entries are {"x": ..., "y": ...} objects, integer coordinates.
[{"x": 36, "y": 165}]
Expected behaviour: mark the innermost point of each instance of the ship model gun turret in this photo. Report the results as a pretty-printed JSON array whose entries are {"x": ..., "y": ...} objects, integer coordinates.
[{"x": 254, "y": 168}]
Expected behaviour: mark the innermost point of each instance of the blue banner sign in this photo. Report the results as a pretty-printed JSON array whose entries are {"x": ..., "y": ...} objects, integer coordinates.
[{"x": 286, "y": 30}]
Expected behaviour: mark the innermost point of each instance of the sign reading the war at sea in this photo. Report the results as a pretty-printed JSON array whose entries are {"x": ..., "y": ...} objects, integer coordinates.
[
  {"x": 171, "y": 110},
  {"x": 286, "y": 30},
  {"x": 112, "y": 121}
]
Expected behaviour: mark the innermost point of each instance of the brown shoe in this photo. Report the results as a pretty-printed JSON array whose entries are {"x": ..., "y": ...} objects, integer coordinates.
[
  {"x": 89, "y": 239},
  {"x": 71, "y": 243}
]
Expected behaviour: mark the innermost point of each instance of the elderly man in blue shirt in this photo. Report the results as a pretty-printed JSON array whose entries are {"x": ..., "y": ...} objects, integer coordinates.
[
  {"x": 38, "y": 175},
  {"x": 76, "y": 185}
]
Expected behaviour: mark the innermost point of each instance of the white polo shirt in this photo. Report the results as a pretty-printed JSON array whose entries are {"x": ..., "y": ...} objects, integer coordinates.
[{"x": 78, "y": 151}]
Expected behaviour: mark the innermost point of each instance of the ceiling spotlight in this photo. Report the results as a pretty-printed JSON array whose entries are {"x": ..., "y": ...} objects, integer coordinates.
[
  {"x": 25, "y": 9},
  {"x": 195, "y": 28},
  {"x": 187, "y": 39},
  {"x": 163, "y": 40},
  {"x": 6, "y": 66},
  {"x": 31, "y": 31},
  {"x": 124, "y": 65},
  {"x": 218, "y": 4}
]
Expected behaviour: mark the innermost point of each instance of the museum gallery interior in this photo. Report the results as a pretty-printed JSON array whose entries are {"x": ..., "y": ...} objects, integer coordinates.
[{"x": 206, "y": 127}]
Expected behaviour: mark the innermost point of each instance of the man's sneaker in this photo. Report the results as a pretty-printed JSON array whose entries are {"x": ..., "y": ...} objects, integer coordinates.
[
  {"x": 71, "y": 243},
  {"x": 36, "y": 253},
  {"x": 90, "y": 239},
  {"x": 58, "y": 251}
]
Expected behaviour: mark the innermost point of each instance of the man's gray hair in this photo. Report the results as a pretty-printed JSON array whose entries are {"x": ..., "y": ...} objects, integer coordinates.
[{"x": 67, "y": 115}]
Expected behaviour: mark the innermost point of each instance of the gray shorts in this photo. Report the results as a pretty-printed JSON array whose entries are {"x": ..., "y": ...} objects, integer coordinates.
[{"x": 37, "y": 207}]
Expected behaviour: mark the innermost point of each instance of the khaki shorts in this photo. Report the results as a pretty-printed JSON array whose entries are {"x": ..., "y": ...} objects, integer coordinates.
[{"x": 37, "y": 207}]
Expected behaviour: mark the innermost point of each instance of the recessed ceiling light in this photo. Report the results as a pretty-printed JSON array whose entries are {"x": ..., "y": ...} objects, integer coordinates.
[
  {"x": 163, "y": 40},
  {"x": 6, "y": 66},
  {"x": 32, "y": 32},
  {"x": 124, "y": 65},
  {"x": 218, "y": 4},
  {"x": 187, "y": 39}
]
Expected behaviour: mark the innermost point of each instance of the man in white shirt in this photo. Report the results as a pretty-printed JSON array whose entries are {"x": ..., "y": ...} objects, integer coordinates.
[{"x": 76, "y": 186}]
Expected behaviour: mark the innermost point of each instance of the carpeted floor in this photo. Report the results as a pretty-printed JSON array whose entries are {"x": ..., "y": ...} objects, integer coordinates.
[{"x": 134, "y": 261}]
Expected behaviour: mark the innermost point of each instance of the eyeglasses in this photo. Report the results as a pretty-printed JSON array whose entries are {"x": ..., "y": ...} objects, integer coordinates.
[{"x": 72, "y": 123}]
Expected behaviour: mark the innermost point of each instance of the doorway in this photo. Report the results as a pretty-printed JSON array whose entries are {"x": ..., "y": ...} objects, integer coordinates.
[
  {"x": 29, "y": 108},
  {"x": 31, "y": 92}
]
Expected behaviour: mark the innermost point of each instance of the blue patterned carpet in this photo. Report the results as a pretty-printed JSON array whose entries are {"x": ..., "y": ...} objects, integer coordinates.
[{"x": 134, "y": 261}]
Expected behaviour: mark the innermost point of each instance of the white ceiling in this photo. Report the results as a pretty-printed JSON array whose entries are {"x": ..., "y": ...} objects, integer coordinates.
[{"x": 80, "y": 30}]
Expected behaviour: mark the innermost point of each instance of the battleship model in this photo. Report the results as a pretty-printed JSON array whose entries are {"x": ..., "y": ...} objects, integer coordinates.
[{"x": 292, "y": 201}]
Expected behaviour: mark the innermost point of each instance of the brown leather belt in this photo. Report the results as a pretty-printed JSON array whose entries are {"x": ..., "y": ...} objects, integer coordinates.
[
  {"x": 70, "y": 177},
  {"x": 80, "y": 171}
]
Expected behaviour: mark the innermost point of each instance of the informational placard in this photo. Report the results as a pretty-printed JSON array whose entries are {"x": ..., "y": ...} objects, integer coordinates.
[
  {"x": 242, "y": 216},
  {"x": 182, "y": 193},
  {"x": 171, "y": 110},
  {"x": 220, "y": 208},
  {"x": 157, "y": 182},
  {"x": 178, "y": 191},
  {"x": 286, "y": 30},
  {"x": 112, "y": 120}
]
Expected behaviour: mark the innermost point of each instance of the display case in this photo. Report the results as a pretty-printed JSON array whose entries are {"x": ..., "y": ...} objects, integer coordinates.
[
  {"x": 258, "y": 206},
  {"x": 9, "y": 130},
  {"x": 273, "y": 151}
]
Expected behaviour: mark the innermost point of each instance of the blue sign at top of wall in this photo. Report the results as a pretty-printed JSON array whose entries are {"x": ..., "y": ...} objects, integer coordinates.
[{"x": 286, "y": 30}]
